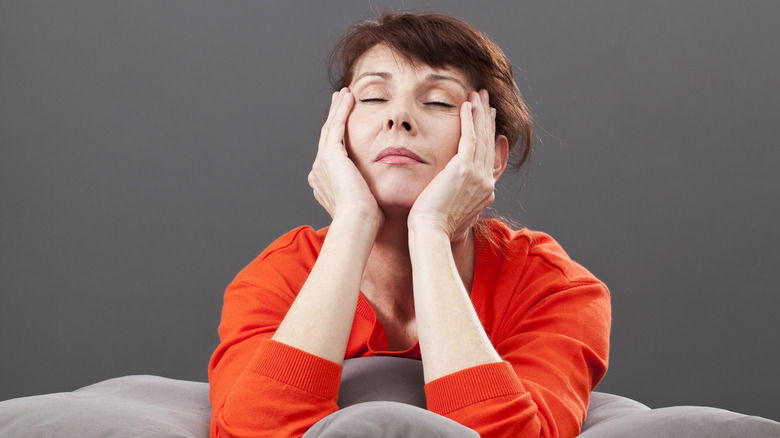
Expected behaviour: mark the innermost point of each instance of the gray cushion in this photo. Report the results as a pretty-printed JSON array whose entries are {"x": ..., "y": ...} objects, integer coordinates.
[
  {"x": 132, "y": 406},
  {"x": 387, "y": 420},
  {"x": 382, "y": 378},
  {"x": 401, "y": 380},
  {"x": 384, "y": 397},
  {"x": 681, "y": 422},
  {"x": 379, "y": 397},
  {"x": 605, "y": 406}
]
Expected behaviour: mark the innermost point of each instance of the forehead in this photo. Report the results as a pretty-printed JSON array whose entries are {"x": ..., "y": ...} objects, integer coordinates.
[{"x": 382, "y": 59}]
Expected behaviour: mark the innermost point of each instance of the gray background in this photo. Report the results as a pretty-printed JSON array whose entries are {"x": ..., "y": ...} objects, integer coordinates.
[{"x": 151, "y": 149}]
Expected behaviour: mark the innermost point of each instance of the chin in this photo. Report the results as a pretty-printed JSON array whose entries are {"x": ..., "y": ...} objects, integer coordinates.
[
  {"x": 398, "y": 199},
  {"x": 395, "y": 192},
  {"x": 401, "y": 206}
]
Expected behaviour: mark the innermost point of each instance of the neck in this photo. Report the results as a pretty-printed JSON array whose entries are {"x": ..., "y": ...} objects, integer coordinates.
[
  {"x": 387, "y": 278},
  {"x": 388, "y": 274}
]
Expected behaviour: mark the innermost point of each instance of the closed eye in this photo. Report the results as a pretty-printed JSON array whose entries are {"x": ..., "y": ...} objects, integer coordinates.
[
  {"x": 441, "y": 104},
  {"x": 372, "y": 99}
]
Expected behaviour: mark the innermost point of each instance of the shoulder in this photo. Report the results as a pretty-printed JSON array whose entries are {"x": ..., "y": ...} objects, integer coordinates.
[
  {"x": 532, "y": 253},
  {"x": 525, "y": 272},
  {"x": 298, "y": 248},
  {"x": 303, "y": 239}
]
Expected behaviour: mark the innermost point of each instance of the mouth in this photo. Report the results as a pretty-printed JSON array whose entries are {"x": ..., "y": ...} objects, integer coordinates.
[{"x": 398, "y": 155}]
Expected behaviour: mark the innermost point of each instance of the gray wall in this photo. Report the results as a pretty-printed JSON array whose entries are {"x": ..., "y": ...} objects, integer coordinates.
[{"x": 149, "y": 150}]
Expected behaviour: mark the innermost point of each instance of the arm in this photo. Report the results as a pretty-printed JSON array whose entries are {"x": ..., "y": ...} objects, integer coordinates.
[
  {"x": 451, "y": 335},
  {"x": 537, "y": 379},
  {"x": 285, "y": 330},
  {"x": 553, "y": 337},
  {"x": 320, "y": 319},
  {"x": 249, "y": 373},
  {"x": 549, "y": 321}
]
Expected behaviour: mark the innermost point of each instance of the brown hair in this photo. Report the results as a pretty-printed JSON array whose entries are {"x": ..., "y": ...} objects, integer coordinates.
[{"x": 438, "y": 41}]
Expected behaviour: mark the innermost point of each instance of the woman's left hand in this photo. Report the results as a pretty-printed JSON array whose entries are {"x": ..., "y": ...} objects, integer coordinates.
[{"x": 454, "y": 198}]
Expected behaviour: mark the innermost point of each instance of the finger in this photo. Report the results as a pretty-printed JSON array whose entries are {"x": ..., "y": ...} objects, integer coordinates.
[
  {"x": 311, "y": 179},
  {"x": 481, "y": 123},
  {"x": 333, "y": 98},
  {"x": 337, "y": 125},
  {"x": 330, "y": 123},
  {"x": 487, "y": 137},
  {"x": 326, "y": 126},
  {"x": 490, "y": 119},
  {"x": 468, "y": 137},
  {"x": 491, "y": 155}
]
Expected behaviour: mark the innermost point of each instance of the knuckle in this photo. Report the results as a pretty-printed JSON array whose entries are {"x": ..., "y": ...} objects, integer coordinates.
[{"x": 463, "y": 170}]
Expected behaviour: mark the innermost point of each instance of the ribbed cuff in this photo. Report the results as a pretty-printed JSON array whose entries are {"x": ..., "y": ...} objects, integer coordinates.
[
  {"x": 471, "y": 386},
  {"x": 296, "y": 368}
]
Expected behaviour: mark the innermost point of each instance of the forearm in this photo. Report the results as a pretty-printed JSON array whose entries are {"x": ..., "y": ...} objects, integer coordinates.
[
  {"x": 450, "y": 333},
  {"x": 320, "y": 319}
]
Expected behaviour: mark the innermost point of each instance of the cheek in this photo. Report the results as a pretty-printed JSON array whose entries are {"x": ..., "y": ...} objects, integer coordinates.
[
  {"x": 356, "y": 138},
  {"x": 449, "y": 139}
]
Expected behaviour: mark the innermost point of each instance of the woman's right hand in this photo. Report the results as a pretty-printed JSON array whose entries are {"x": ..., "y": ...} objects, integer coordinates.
[
  {"x": 337, "y": 184},
  {"x": 320, "y": 319}
]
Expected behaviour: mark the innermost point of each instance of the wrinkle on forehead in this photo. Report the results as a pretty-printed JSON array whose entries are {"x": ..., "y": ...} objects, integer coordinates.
[{"x": 381, "y": 51}]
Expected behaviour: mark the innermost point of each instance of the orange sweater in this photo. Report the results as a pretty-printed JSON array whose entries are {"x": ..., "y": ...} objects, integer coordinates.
[{"x": 547, "y": 317}]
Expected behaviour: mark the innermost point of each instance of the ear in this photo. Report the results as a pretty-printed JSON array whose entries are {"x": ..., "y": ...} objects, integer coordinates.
[{"x": 501, "y": 156}]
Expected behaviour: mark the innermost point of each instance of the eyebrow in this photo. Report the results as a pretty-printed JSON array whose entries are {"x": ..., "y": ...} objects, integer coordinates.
[
  {"x": 433, "y": 77},
  {"x": 380, "y": 74}
]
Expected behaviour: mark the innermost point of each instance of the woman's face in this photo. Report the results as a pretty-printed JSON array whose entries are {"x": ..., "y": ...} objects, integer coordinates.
[{"x": 405, "y": 124}]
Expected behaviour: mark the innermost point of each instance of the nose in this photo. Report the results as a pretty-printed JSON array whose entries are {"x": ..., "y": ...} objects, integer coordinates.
[
  {"x": 400, "y": 117},
  {"x": 405, "y": 125}
]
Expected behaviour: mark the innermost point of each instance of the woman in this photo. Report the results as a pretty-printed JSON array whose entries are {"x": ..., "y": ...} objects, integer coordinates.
[{"x": 513, "y": 335}]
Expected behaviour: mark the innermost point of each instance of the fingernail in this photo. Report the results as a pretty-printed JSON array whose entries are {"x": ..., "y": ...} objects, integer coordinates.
[
  {"x": 493, "y": 112},
  {"x": 484, "y": 94}
]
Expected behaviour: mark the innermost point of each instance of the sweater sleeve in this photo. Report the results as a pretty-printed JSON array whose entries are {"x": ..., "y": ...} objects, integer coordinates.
[
  {"x": 554, "y": 338},
  {"x": 259, "y": 387}
]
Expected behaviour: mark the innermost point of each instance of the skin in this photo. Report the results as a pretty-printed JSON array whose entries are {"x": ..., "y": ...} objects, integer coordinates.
[{"x": 406, "y": 224}]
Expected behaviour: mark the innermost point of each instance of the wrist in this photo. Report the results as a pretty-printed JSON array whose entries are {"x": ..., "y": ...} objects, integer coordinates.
[
  {"x": 424, "y": 225},
  {"x": 359, "y": 218},
  {"x": 456, "y": 236},
  {"x": 426, "y": 237}
]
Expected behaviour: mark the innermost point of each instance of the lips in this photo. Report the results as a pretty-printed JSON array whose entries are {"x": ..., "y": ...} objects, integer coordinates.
[{"x": 398, "y": 155}]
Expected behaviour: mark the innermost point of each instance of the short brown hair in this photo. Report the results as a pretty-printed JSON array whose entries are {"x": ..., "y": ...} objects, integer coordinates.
[{"x": 438, "y": 41}]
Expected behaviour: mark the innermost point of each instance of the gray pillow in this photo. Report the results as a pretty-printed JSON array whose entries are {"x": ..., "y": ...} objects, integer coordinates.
[
  {"x": 379, "y": 396},
  {"x": 681, "y": 422},
  {"x": 385, "y": 419},
  {"x": 604, "y": 406},
  {"x": 382, "y": 379},
  {"x": 609, "y": 416},
  {"x": 385, "y": 397},
  {"x": 132, "y": 406}
]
